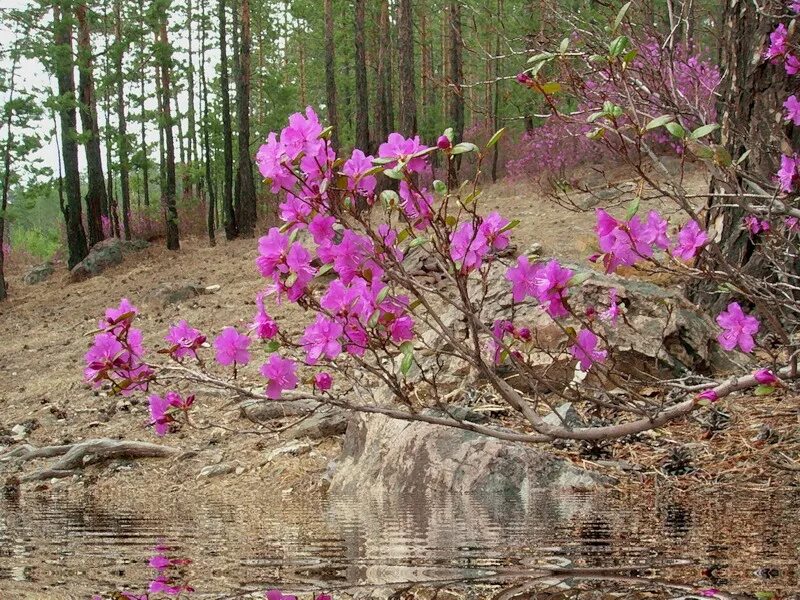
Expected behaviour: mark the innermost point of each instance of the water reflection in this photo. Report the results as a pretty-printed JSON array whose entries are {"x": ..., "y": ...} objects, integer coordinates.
[{"x": 486, "y": 547}]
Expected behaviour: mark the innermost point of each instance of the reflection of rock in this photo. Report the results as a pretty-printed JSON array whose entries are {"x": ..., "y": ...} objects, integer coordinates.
[
  {"x": 39, "y": 273},
  {"x": 406, "y": 458},
  {"x": 103, "y": 255}
]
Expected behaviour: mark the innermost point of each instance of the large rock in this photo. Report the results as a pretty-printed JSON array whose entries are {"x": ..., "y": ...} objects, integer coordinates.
[
  {"x": 103, "y": 255},
  {"x": 39, "y": 273},
  {"x": 386, "y": 455}
]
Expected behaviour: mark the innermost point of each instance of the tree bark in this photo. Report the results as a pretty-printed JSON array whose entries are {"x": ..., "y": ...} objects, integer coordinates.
[
  {"x": 142, "y": 113},
  {"x": 96, "y": 197},
  {"x": 330, "y": 76},
  {"x": 750, "y": 117},
  {"x": 212, "y": 194},
  {"x": 229, "y": 217},
  {"x": 381, "y": 121},
  {"x": 124, "y": 147},
  {"x": 246, "y": 217},
  {"x": 408, "y": 96},
  {"x": 168, "y": 200},
  {"x": 64, "y": 65},
  {"x": 456, "y": 103},
  {"x": 362, "y": 93},
  {"x": 7, "y": 173}
]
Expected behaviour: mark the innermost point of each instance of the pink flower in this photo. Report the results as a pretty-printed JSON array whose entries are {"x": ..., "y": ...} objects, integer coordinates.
[
  {"x": 523, "y": 278},
  {"x": 738, "y": 329},
  {"x": 492, "y": 228},
  {"x": 792, "y": 106},
  {"x": 754, "y": 225},
  {"x": 117, "y": 319},
  {"x": 298, "y": 264},
  {"x": 280, "y": 373},
  {"x": 323, "y": 381},
  {"x": 353, "y": 256},
  {"x": 624, "y": 242},
  {"x": 175, "y": 400},
  {"x": 765, "y": 377},
  {"x": 795, "y": 6},
  {"x": 585, "y": 350},
  {"x": 788, "y": 173},
  {"x": 690, "y": 239},
  {"x": 321, "y": 228},
  {"x": 264, "y": 326},
  {"x": 163, "y": 585},
  {"x": 232, "y": 347},
  {"x": 322, "y": 339},
  {"x": 792, "y": 64},
  {"x": 611, "y": 314},
  {"x": 778, "y": 43},
  {"x": 302, "y": 134},
  {"x": 160, "y": 419},
  {"x": 184, "y": 340},
  {"x": 655, "y": 232},
  {"x": 709, "y": 593},
  {"x": 105, "y": 354},
  {"x": 709, "y": 395},
  {"x": 468, "y": 247},
  {"x": 403, "y": 149},
  {"x": 444, "y": 143},
  {"x": 272, "y": 164},
  {"x": 278, "y": 595},
  {"x": 551, "y": 288},
  {"x": 294, "y": 210},
  {"x": 272, "y": 249},
  {"x": 524, "y": 78},
  {"x": 792, "y": 223},
  {"x": 417, "y": 205},
  {"x": 355, "y": 170}
]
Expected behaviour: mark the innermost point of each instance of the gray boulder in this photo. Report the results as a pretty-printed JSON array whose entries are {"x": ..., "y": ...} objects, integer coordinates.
[
  {"x": 39, "y": 273},
  {"x": 103, "y": 255},
  {"x": 388, "y": 455}
]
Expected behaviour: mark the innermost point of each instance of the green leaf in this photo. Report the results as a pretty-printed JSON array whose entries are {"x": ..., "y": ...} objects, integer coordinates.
[
  {"x": 401, "y": 237},
  {"x": 764, "y": 390},
  {"x": 704, "y": 131},
  {"x": 463, "y": 147},
  {"x": 620, "y": 16},
  {"x": 765, "y": 595},
  {"x": 496, "y": 137},
  {"x": 405, "y": 365},
  {"x": 743, "y": 157},
  {"x": 618, "y": 45},
  {"x": 407, "y": 348},
  {"x": 448, "y": 133},
  {"x": 272, "y": 346},
  {"x": 417, "y": 241},
  {"x": 658, "y": 122},
  {"x": 596, "y": 134},
  {"x": 552, "y": 87},
  {"x": 382, "y": 295},
  {"x": 629, "y": 56},
  {"x": 564, "y": 45},
  {"x": 394, "y": 173},
  {"x": 326, "y": 133},
  {"x": 511, "y": 225},
  {"x": 633, "y": 208},
  {"x": 579, "y": 278},
  {"x": 439, "y": 186},
  {"x": 324, "y": 269},
  {"x": 451, "y": 220},
  {"x": 676, "y": 130},
  {"x": 373, "y": 319},
  {"x": 537, "y": 58},
  {"x": 382, "y": 160},
  {"x": 594, "y": 116},
  {"x": 390, "y": 198}
]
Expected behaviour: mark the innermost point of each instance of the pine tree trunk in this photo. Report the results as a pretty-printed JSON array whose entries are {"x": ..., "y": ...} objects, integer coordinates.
[
  {"x": 191, "y": 115},
  {"x": 6, "y": 175},
  {"x": 246, "y": 217},
  {"x": 330, "y": 76},
  {"x": 124, "y": 167},
  {"x": 381, "y": 93},
  {"x": 752, "y": 96},
  {"x": 212, "y": 193},
  {"x": 405, "y": 41},
  {"x": 96, "y": 197},
  {"x": 229, "y": 217},
  {"x": 76, "y": 237},
  {"x": 456, "y": 73},
  {"x": 168, "y": 200},
  {"x": 496, "y": 99},
  {"x": 362, "y": 92},
  {"x": 142, "y": 113}
]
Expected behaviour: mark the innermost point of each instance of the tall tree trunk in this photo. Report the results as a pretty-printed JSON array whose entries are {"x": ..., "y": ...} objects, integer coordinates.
[
  {"x": 168, "y": 200},
  {"x": 229, "y": 217},
  {"x": 124, "y": 149},
  {"x": 246, "y": 217},
  {"x": 212, "y": 203},
  {"x": 751, "y": 104},
  {"x": 381, "y": 120},
  {"x": 7, "y": 173},
  {"x": 237, "y": 195},
  {"x": 96, "y": 197},
  {"x": 330, "y": 77},
  {"x": 362, "y": 92},
  {"x": 142, "y": 113},
  {"x": 456, "y": 103},
  {"x": 405, "y": 41},
  {"x": 496, "y": 99},
  {"x": 64, "y": 65},
  {"x": 191, "y": 115}
]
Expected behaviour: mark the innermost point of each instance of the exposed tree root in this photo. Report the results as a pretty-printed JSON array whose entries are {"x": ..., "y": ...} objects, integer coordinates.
[{"x": 76, "y": 456}]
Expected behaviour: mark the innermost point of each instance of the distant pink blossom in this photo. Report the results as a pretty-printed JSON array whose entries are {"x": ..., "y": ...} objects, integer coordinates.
[
  {"x": 792, "y": 223},
  {"x": 585, "y": 350},
  {"x": 655, "y": 231},
  {"x": 468, "y": 246},
  {"x": 788, "y": 173},
  {"x": 778, "y": 43},
  {"x": 281, "y": 375},
  {"x": 523, "y": 278},
  {"x": 278, "y": 595},
  {"x": 611, "y": 314},
  {"x": 755, "y": 225},
  {"x": 160, "y": 419},
  {"x": 551, "y": 288},
  {"x": 792, "y": 64},
  {"x": 232, "y": 347},
  {"x": 792, "y": 106},
  {"x": 738, "y": 328},
  {"x": 690, "y": 239}
]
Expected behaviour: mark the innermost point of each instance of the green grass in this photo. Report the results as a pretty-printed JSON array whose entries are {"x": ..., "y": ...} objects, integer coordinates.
[{"x": 41, "y": 244}]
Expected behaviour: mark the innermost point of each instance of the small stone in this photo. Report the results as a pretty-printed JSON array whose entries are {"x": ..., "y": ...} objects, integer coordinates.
[
  {"x": 216, "y": 470},
  {"x": 239, "y": 470}
]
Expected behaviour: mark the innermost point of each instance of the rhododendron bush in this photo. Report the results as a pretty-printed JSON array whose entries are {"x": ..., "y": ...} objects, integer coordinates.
[{"x": 349, "y": 256}]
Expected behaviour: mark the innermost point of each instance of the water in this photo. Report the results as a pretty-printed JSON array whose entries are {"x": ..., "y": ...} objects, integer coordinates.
[{"x": 71, "y": 546}]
